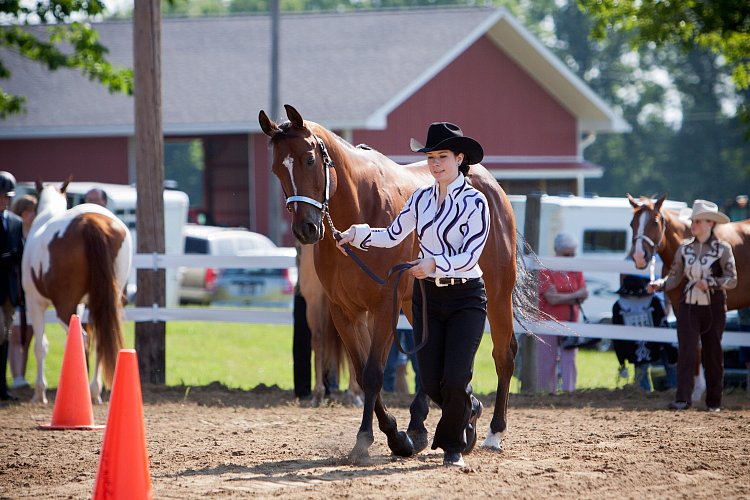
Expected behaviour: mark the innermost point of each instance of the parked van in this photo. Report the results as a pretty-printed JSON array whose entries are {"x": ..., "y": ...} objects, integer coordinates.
[
  {"x": 121, "y": 200},
  {"x": 602, "y": 227}
]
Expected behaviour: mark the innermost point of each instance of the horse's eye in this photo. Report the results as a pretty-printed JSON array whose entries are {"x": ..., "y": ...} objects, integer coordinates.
[{"x": 310, "y": 161}]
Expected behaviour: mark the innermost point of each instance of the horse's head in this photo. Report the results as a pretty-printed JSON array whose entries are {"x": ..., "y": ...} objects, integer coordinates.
[
  {"x": 305, "y": 170},
  {"x": 648, "y": 229},
  {"x": 51, "y": 198}
]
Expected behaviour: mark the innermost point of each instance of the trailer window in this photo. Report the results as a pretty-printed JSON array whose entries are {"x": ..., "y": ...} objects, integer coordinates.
[{"x": 598, "y": 241}]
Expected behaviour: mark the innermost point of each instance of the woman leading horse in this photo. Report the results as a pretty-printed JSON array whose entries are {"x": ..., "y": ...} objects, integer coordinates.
[{"x": 328, "y": 180}]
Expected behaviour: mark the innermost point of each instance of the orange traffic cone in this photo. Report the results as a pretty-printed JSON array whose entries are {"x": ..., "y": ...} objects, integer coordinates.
[
  {"x": 123, "y": 462},
  {"x": 73, "y": 408}
]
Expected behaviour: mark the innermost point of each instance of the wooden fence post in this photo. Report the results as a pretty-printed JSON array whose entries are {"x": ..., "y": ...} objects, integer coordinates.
[{"x": 528, "y": 343}]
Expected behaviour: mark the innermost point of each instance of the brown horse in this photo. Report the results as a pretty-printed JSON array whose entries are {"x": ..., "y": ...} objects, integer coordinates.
[
  {"x": 324, "y": 176},
  {"x": 81, "y": 255},
  {"x": 327, "y": 347},
  {"x": 661, "y": 231}
]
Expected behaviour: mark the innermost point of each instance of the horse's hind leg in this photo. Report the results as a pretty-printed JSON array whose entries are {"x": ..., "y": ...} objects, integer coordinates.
[
  {"x": 504, "y": 348},
  {"x": 95, "y": 387},
  {"x": 41, "y": 347}
]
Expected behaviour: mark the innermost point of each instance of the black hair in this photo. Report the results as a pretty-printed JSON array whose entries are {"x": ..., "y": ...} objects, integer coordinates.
[{"x": 464, "y": 166}]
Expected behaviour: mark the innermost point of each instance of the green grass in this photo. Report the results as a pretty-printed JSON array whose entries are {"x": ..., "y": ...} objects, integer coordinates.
[{"x": 245, "y": 355}]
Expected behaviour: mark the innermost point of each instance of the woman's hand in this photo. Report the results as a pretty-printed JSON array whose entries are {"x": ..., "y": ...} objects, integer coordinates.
[
  {"x": 422, "y": 267},
  {"x": 655, "y": 286},
  {"x": 346, "y": 237},
  {"x": 701, "y": 285}
]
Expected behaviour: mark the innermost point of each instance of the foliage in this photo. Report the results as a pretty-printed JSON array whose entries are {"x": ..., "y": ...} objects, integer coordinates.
[
  {"x": 721, "y": 26},
  {"x": 68, "y": 43}
]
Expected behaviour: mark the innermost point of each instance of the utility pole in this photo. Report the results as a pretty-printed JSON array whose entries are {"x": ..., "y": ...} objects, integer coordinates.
[
  {"x": 274, "y": 211},
  {"x": 150, "y": 337}
]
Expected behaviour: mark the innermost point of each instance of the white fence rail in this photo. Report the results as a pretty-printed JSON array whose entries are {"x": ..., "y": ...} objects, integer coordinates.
[{"x": 284, "y": 317}]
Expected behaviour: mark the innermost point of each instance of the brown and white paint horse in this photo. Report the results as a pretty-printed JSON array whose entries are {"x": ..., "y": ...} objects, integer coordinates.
[
  {"x": 323, "y": 175},
  {"x": 81, "y": 255}
]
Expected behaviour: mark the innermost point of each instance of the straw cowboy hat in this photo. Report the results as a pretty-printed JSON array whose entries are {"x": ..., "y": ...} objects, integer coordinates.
[
  {"x": 707, "y": 210},
  {"x": 444, "y": 135}
]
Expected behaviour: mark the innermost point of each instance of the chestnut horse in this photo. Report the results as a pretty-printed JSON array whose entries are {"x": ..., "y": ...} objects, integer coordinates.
[
  {"x": 661, "y": 231},
  {"x": 81, "y": 255},
  {"x": 327, "y": 347},
  {"x": 326, "y": 178}
]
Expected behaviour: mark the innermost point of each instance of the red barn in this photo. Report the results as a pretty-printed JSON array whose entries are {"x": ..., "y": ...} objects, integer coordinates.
[{"x": 378, "y": 77}]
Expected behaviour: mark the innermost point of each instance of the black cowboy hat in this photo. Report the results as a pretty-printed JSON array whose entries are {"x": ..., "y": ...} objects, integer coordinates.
[
  {"x": 445, "y": 135},
  {"x": 634, "y": 286}
]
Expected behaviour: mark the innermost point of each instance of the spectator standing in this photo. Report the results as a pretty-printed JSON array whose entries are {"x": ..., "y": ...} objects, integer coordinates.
[
  {"x": 706, "y": 265},
  {"x": 96, "y": 196},
  {"x": 560, "y": 296},
  {"x": 18, "y": 350},
  {"x": 11, "y": 249}
]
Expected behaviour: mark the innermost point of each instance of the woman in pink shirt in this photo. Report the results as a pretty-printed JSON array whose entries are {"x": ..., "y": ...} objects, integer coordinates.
[{"x": 560, "y": 293}]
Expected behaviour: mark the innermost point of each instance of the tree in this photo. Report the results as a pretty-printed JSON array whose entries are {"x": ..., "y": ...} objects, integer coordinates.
[
  {"x": 721, "y": 26},
  {"x": 66, "y": 43}
]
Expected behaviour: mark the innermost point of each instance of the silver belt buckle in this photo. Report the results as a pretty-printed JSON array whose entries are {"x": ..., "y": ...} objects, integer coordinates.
[{"x": 438, "y": 283}]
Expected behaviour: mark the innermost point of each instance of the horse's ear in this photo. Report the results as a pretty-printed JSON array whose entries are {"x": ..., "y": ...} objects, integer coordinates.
[
  {"x": 268, "y": 126},
  {"x": 65, "y": 184},
  {"x": 657, "y": 205},
  {"x": 632, "y": 201},
  {"x": 39, "y": 186},
  {"x": 294, "y": 116}
]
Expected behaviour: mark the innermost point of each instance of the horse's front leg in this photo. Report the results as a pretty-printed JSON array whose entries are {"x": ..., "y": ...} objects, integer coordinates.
[{"x": 416, "y": 431}]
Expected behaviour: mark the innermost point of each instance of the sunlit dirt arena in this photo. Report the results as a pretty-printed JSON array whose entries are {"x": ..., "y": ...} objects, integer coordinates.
[{"x": 211, "y": 442}]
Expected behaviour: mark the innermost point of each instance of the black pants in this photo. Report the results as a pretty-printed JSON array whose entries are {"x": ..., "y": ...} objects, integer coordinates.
[
  {"x": 301, "y": 349},
  {"x": 456, "y": 316},
  {"x": 704, "y": 323}
]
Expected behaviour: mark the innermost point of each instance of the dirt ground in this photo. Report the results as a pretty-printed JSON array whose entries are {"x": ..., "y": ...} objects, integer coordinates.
[{"x": 220, "y": 443}]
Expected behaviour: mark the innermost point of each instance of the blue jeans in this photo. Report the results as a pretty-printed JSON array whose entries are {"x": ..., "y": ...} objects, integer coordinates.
[{"x": 396, "y": 358}]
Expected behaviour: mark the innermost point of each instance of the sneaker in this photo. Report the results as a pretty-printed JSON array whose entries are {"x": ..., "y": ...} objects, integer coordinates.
[
  {"x": 19, "y": 382},
  {"x": 714, "y": 409},
  {"x": 453, "y": 458},
  {"x": 678, "y": 405},
  {"x": 471, "y": 427}
]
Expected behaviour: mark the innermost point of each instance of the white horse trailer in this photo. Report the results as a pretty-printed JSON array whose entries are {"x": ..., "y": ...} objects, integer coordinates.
[
  {"x": 121, "y": 200},
  {"x": 601, "y": 226}
]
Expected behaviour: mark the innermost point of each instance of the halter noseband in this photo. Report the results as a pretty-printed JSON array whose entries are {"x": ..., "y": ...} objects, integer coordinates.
[
  {"x": 327, "y": 165},
  {"x": 661, "y": 236}
]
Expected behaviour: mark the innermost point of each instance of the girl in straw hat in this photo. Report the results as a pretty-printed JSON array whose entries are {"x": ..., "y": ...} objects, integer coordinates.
[
  {"x": 707, "y": 265},
  {"x": 452, "y": 222}
]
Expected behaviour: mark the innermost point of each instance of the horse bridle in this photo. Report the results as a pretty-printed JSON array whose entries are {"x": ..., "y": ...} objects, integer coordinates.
[
  {"x": 327, "y": 165},
  {"x": 398, "y": 269},
  {"x": 649, "y": 240}
]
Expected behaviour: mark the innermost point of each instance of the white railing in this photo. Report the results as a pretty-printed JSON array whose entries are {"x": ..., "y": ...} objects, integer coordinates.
[{"x": 284, "y": 317}]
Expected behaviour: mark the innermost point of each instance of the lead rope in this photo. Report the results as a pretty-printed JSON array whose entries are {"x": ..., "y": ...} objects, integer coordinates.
[{"x": 398, "y": 270}]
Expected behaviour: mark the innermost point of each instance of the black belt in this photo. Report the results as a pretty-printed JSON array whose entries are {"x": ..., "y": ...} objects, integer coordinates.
[{"x": 449, "y": 281}]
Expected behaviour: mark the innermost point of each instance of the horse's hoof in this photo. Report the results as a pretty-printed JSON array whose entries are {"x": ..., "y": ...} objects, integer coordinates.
[
  {"x": 401, "y": 445},
  {"x": 493, "y": 441},
  {"x": 360, "y": 454},
  {"x": 418, "y": 439}
]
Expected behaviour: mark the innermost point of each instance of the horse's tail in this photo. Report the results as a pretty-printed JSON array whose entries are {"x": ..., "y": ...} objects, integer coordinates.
[
  {"x": 104, "y": 293},
  {"x": 526, "y": 290},
  {"x": 526, "y": 294}
]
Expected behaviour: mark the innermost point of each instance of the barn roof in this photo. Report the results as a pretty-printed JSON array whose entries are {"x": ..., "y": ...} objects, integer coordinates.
[{"x": 345, "y": 70}]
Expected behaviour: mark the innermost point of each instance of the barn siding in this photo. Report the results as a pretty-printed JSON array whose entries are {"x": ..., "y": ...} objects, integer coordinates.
[
  {"x": 101, "y": 159},
  {"x": 492, "y": 99}
]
